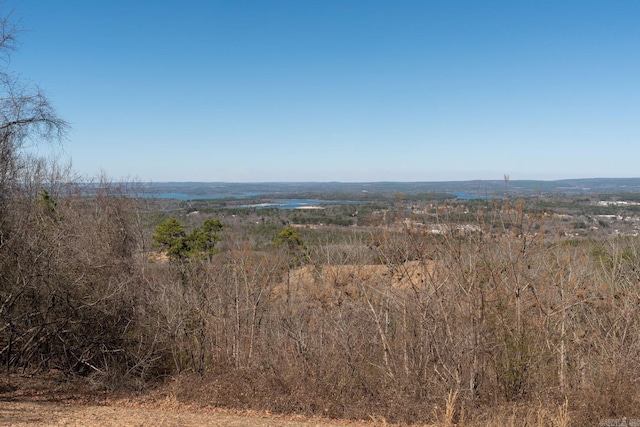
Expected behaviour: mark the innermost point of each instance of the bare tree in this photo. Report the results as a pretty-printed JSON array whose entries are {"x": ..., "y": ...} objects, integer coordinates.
[
  {"x": 27, "y": 212},
  {"x": 26, "y": 114}
]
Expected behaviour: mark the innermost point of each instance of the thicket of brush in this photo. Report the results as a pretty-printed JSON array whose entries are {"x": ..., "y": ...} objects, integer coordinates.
[{"x": 399, "y": 323}]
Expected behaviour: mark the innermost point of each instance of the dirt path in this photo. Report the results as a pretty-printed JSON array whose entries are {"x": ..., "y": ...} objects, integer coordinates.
[
  {"x": 51, "y": 400},
  {"x": 57, "y": 414}
]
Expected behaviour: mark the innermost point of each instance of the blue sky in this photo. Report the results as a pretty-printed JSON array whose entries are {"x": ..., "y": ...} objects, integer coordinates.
[{"x": 335, "y": 90}]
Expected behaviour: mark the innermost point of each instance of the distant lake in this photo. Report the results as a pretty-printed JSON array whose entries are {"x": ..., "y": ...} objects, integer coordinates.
[
  {"x": 184, "y": 196},
  {"x": 466, "y": 196},
  {"x": 276, "y": 203},
  {"x": 300, "y": 203}
]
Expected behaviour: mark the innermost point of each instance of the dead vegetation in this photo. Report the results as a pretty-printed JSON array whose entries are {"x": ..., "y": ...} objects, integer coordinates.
[{"x": 508, "y": 325}]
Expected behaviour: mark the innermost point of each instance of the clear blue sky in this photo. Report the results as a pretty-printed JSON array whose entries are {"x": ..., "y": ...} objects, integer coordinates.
[{"x": 340, "y": 90}]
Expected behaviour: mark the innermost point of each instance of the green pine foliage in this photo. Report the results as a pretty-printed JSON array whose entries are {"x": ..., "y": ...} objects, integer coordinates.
[
  {"x": 291, "y": 240},
  {"x": 171, "y": 237}
]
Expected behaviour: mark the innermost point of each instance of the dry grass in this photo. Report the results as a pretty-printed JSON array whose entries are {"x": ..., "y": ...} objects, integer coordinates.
[
  {"x": 51, "y": 400},
  {"x": 58, "y": 414},
  {"x": 450, "y": 408}
]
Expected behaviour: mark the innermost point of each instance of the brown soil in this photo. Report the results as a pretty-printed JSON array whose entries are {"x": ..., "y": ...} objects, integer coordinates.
[{"x": 51, "y": 400}]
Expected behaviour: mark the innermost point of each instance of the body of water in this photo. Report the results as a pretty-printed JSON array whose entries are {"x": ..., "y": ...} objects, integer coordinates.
[
  {"x": 303, "y": 203},
  {"x": 276, "y": 203},
  {"x": 184, "y": 196},
  {"x": 466, "y": 196}
]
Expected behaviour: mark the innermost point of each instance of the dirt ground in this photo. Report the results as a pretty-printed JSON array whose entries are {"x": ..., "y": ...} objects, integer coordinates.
[
  {"x": 67, "y": 414},
  {"x": 51, "y": 401}
]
